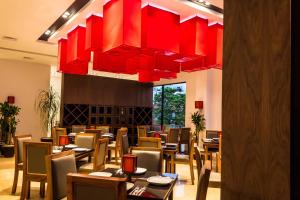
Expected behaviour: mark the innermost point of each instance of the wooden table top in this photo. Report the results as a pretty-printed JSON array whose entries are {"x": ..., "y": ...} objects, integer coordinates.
[{"x": 152, "y": 192}]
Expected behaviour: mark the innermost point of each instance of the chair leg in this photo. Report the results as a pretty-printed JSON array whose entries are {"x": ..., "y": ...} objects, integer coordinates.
[
  {"x": 24, "y": 189},
  {"x": 192, "y": 171},
  {"x": 28, "y": 189},
  {"x": 16, "y": 175},
  {"x": 42, "y": 189},
  {"x": 116, "y": 156}
]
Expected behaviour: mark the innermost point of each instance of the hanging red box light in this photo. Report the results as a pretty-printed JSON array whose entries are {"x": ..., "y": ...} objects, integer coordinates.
[
  {"x": 78, "y": 68},
  {"x": 160, "y": 29},
  {"x": 76, "y": 46},
  {"x": 93, "y": 37},
  {"x": 195, "y": 63},
  {"x": 215, "y": 46},
  {"x": 148, "y": 76},
  {"x": 121, "y": 24}
]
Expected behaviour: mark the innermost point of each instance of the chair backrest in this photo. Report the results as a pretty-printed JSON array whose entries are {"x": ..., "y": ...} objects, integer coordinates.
[
  {"x": 203, "y": 181},
  {"x": 173, "y": 135},
  {"x": 185, "y": 137},
  {"x": 212, "y": 134},
  {"x": 78, "y": 128},
  {"x": 18, "y": 142},
  {"x": 34, "y": 157},
  {"x": 149, "y": 158},
  {"x": 85, "y": 140},
  {"x": 141, "y": 131},
  {"x": 96, "y": 132},
  {"x": 198, "y": 160},
  {"x": 121, "y": 131},
  {"x": 58, "y": 166},
  {"x": 82, "y": 187},
  {"x": 149, "y": 142},
  {"x": 104, "y": 129},
  {"x": 56, "y": 132},
  {"x": 125, "y": 145},
  {"x": 100, "y": 154}
]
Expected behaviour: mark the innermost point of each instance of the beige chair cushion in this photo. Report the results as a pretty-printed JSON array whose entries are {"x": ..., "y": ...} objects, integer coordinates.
[
  {"x": 20, "y": 147},
  {"x": 148, "y": 159},
  {"x": 60, "y": 168},
  {"x": 85, "y": 141},
  {"x": 101, "y": 154},
  {"x": 36, "y": 159}
]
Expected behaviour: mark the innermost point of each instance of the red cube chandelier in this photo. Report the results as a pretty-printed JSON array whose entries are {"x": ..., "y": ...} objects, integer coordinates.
[{"x": 144, "y": 40}]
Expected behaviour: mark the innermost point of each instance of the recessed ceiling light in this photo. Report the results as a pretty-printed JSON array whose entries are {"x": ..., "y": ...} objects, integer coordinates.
[
  {"x": 47, "y": 32},
  {"x": 201, "y": 1},
  {"x": 66, "y": 14},
  {"x": 206, "y": 3}
]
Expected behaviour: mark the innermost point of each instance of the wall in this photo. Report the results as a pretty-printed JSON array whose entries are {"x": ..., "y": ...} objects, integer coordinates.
[
  {"x": 206, "y": 86},
  {"x": 24, "y": 80},
  {"x": 257, "y": 100}
]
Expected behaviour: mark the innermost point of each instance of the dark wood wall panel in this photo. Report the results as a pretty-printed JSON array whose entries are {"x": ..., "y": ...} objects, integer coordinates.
[
  {"x": 105, "y": 91},
  {"x": 256, "y": 100}
]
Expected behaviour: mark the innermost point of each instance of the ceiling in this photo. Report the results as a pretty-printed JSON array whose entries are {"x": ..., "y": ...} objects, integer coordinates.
[{"x": 27, "y": 20}]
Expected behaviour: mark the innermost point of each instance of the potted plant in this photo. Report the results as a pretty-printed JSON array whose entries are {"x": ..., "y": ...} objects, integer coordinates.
[
  {"x": 199, "y": 121},
  {"x": 8, "y": 123},
  {"x": 47, "y": 105}
]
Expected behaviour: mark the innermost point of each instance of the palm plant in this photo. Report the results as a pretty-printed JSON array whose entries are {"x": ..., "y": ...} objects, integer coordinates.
[
  {"x": 8, "y": 121},
  {"x": 199, "y": 121},
  {"x": 47, "y": 104}
]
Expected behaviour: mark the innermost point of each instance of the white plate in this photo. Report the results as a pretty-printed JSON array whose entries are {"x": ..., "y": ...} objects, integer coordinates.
[
  {"x": 71, "y": 146},
  {"x": 56, "y": 151},
  {"x": 159, "y": 180},
  {"x": 103, "y": 174},
  {"x": 81, "y": 149},
  {"x": 140, "y": 170},
  {"x": 129, "y": 185},
  {"x": 207, "y": 140}
]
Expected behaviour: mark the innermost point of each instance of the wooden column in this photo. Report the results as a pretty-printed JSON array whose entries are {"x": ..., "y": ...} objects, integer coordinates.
[{"x": 256, "y": 100}]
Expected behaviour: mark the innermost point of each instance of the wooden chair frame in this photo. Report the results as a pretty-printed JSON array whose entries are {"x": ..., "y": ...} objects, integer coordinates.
[
  {"x": 27, "y": 176},
  {"x": 151, "y": 149},
  {"x": 18, "y": 163},
  {"x": 153, "y": 140},
  {"x": 49, "y": 158},
  {"x": 118, "y": 145},
  {"x": 170, "y": 135},
  {"x": 203, "y": 181},
  {"x": 141, "y": 131},
  {"x": 118, "y": 184},
  {"x": 101, "y": 166},
  {"x": 55, "y": 136}
]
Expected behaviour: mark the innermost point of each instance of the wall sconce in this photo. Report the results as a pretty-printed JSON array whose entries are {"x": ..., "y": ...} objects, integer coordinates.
[
  {"x": 199, "y": 104},
  {"x": 11, "y": 99}
]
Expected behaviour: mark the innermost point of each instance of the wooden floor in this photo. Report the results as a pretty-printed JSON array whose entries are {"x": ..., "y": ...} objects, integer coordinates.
[{"x": 183, "y": 189}]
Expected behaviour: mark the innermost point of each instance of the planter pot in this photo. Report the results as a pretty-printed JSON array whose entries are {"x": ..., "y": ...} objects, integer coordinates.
[{"x": 7, "y": 151}]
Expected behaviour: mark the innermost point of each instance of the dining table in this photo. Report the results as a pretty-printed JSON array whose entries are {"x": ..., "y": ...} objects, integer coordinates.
[{"x": 149, "y": 191}]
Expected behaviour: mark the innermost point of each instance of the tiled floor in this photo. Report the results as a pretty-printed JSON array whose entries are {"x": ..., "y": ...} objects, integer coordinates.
[{"x": 183, "y": 189}]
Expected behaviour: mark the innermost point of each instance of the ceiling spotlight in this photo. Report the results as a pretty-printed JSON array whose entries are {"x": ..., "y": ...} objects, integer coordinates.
[
  {"x": 201, "y": 1},
  {"x": 47, "y": 32},
  {"x": 207, "y": 3},
  {"x": 66, "y": 14}
]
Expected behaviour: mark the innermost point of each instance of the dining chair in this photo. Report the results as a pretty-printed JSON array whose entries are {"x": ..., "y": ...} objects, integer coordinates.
[
  {"x": 104, "y": 129},
  {"x": 173, "y": 135},
  {"x": 83, "y": 186},
  {"x": 78, "y": 128},
  {"x": 116, "y": 146},
  {"x": 56, "y": 132},
  {"x": 184, "y": 138},
  {"x": 212, "y": 134},
  {"x": 203, "y": 181},
  {"x": 100, "y": 154},
  {"x": 219, "y": 155},
  {"x": 34, "y": 168},
  {"x": 198, "y": 160},
  {"x": 149, "y": 142},
  {"x": 85, "y": 140},
  {"x": 186, "y": 159},
  {"x": 96, "y": 132},
  {"x": 58, "y": 166},
  {"x": 141, "y": 131},
  {"x": 125, "y": 145},
  {"x": 149, "y": 158},
  {"x": 18, "y": 147}
]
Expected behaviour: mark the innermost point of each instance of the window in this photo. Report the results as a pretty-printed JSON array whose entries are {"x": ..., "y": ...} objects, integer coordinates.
[{"x": 169, "y": 105}]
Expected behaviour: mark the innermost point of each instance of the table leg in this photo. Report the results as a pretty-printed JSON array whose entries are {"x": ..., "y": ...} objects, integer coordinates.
[{"x": 172, "y": 163}]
